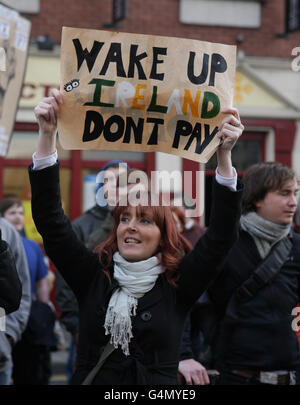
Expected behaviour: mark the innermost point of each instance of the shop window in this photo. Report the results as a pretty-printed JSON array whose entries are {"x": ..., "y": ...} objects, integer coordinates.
[
  {"x": 243, "y": 13},
  {"x": 250, "y": 149},
  {"x": 244, "y": 154},
  {"x": 23, "y": 144},
  {"x": 16, "y": 183}
]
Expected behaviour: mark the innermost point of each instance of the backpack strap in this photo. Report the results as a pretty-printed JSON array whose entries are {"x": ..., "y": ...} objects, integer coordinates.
[
  {"x": 108, "y": 349},
  {"x": 266, "y": 271}
]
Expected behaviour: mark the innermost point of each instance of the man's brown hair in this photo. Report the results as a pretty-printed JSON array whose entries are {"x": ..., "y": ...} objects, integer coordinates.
[{"x": 261, "y": 178}]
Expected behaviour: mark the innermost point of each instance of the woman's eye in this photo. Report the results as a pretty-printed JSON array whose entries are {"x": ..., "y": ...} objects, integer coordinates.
[
  {"x": 124, "y": 219},
  {"x": 145, "y": 221}
]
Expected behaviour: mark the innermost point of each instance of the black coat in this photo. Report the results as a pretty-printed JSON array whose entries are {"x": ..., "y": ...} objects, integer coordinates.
[
  {"x": 261, "y": 337},
  {"x": 158, "y": 325},
  {"x": 10, "y": 285}
]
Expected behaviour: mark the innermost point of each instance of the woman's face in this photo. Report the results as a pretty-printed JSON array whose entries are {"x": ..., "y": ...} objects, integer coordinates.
[
  {"x": 15, "y": 215},
  {"x": 138, "y": 236}
]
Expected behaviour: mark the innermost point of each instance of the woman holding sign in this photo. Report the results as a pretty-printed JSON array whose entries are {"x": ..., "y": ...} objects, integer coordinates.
[{"x": 135, "y": 292}]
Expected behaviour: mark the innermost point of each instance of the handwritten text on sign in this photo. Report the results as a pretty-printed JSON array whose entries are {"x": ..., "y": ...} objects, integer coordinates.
[{"x": 143, "y": 93}]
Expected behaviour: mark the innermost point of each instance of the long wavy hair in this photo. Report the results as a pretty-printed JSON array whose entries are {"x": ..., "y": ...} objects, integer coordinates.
[{"x": 172, "y": 246}]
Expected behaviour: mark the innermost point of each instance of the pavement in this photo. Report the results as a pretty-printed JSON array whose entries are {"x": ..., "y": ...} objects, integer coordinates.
[{"x": 59, "y": 361}]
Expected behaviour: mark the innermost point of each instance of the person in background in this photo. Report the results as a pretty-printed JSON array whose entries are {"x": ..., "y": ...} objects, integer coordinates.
[
  {"x": 92, "y": 219},
  {"x": 255, "y": 342},
  {"x": 10, "y": 285},
  {"x": 29, "y": 356},
  {"x": 192, "y": 345},
  {"x": 12, "y": 210},
  {"x": 60, "y": 340},
  {"x": 192, "y": 231},
  {"x": 297, "y": 309},
  {"x": 297, "y": 218},
  {"x": 16, "y": 321},
  {"x": 122, "y": 188}
]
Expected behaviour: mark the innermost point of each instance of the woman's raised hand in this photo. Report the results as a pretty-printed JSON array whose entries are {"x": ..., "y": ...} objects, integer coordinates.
[
  {"x": 230, "y": 130},
  {"x": 46, "y": 113}
]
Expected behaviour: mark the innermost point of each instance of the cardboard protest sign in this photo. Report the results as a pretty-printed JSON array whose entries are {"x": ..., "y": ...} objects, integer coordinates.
[
  {"x": 14, "y": 41},
  {"x": 143, "y": 93}
]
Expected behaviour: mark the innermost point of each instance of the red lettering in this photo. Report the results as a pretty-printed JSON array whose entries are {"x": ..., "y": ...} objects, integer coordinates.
[{"x": 29, "y": 95}]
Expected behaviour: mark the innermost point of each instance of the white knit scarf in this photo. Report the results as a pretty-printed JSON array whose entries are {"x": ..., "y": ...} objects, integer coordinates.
[{"x": 135, "y": 280}]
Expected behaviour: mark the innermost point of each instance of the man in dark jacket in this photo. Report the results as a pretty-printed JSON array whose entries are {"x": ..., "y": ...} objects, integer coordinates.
[
  {"x": 255, "y": 342},
  {"x": 10, "y": 285},
  {"x": 15, "y": 322}
]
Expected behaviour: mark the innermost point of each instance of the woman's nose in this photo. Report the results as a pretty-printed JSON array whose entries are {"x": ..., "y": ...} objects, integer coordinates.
[{"x": 132, "y": 224}]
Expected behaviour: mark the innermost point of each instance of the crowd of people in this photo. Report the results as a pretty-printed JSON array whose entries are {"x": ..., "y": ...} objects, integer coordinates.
[{"x": 147, "y": 294}]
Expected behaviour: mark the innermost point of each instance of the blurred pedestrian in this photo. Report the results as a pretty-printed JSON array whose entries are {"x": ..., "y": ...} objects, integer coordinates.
[
  {"x": 31, "y": 355},
  {"x": 60, "y": 341},
  {"x": 192, "y": 231},
  {"x": 16, "y": 321},
  {"x": 10, "y": 286},
  {"x": 193, "y": 348},
  {"x": 258, "y": 288}
]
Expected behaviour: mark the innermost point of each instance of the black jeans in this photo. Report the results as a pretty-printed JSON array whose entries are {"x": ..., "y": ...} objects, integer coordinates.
[{"x": 32, "y": 364}]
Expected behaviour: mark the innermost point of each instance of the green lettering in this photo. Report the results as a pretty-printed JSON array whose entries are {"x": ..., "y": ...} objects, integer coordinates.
[
  {"x": 214, "y": 99},
  {"x": 97, "y": 93}
]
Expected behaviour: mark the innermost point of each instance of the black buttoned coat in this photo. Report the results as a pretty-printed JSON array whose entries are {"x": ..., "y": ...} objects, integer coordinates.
[{"x": 158, "y": 325}]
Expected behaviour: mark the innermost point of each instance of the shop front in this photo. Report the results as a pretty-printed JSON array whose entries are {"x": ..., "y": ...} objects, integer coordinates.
[{"x": 271, "y": 133}]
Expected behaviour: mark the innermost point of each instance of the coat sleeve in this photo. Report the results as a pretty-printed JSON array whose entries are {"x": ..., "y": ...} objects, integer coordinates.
[
  {"x": 186, "y": 351},
  {"x": 75, "y": 262},
  {"x": 10, "y": 285},
  {"x": 202, "y": 265}
]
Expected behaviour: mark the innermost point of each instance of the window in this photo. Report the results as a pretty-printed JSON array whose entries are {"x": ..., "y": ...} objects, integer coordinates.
[
  {"x": 292, "y": 15},
  {"x": 248, "y": 150},
  {"x": 23, "y": 144},
  {"x": 24, "y": 6},
  {"x": 224, "y": 13}
]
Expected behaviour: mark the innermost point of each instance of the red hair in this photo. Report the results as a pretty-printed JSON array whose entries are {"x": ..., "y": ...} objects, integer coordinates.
[
  {"x": 173, "y": 245},
  {"x": 180, "y": 215}
]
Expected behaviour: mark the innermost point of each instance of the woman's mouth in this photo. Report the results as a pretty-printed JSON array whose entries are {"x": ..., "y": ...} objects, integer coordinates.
[{"x": 132, "y": 240}]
